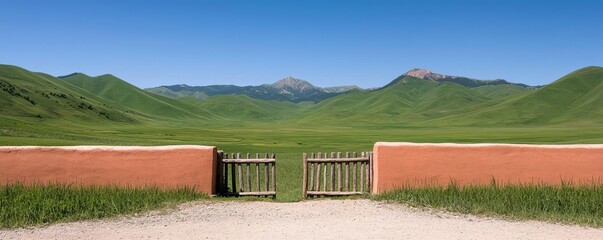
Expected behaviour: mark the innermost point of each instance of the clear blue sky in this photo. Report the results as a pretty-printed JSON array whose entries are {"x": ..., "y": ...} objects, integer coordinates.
[{"x": 367, "y": 43}]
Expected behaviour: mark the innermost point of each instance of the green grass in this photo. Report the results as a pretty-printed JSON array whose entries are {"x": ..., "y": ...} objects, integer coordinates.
[
  {"x": 34, "y": 205},
  {"x": 410, "y": 110},
  {"x": 287, "y": 141},
  {"x": 565, "y": 204}
]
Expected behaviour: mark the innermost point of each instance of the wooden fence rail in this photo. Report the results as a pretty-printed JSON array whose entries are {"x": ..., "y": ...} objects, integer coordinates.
[
  {"x": 335, "y": 175},
  {"x": 257, "y": 179}
]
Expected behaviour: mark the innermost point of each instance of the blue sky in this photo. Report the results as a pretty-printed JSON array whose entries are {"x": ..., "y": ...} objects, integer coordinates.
[{"x": 367, "y": 43}]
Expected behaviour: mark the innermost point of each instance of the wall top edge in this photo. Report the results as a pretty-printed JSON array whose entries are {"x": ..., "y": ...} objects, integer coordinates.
[
  {"x": 109, "y": 148},
  {"x": 478, "y": 145}
]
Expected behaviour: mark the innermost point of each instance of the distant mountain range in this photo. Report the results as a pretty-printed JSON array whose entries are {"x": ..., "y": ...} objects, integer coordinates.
[
  {"x": 418, "y": 97},
  {"x": 286, "y": 89},
  {"x": 296, "y": 90}
]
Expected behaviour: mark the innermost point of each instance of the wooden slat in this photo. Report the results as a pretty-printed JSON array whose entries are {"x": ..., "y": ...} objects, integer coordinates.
[
  {"x": 234, "y": 176},
  {"x": 257, "y": 173},
  {"x": 368, "y": 175},
  {"x": 225, "y": 166},
  {"x": 347, "y": 173},
  {"x": 354, "y": 173},
  {"x": 257, "y": 177},
  {"x": 311, "y": 186},
  {"x": 260, "y": 160},
  {"x": 274, "y": 173},
  {"x": 324, "y": 175},
  {"x": 248, "y": 174},
  {"x": 248, "y": 177},
  {"x": 266, "y": 176},
  {"x": 305, "y": 176},
  {"x": 318, "y": 165},
  {"x": 338, "y": 193},
  {"x": 318, "y": 172},
  {"x": 240, "y": 173},
  {"x": 361, "y": 177},
  {"x": 370, "y": 186},
  {"x": 339, "y": 173},
  {"x": 267, "y": 170},
  {"x": 332, "y": 172}
]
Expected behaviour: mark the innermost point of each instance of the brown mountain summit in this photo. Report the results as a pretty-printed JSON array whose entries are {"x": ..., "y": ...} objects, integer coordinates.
[
  {"x": 424, "y": 74},
  {"x": 291, "y": 83}
]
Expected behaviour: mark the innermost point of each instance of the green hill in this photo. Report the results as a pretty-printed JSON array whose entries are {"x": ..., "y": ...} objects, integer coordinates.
[
  {"x": 38, "y": 96},
  {"x": 405, "y": 100},
  {"x": 501, "y": 91},
  {"x": 116, "y": 90},
  {"x": 245, "y": 108},
  {"x": 576, "y": 97}
]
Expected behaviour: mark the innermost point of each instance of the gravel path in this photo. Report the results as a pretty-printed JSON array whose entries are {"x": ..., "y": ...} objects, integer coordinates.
[{"x": 321, "y": 219}]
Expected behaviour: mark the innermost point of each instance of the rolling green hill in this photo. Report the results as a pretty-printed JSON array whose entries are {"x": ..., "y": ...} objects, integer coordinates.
[
  {"x": 576, "y": 97},
  {"x": 118, "y": 91},
  {"x": 405, "y": 100},
  {"x": 36, "y": 97},
  {"x": 408, "y": 100},
  {"x": 245, "y": 108}
]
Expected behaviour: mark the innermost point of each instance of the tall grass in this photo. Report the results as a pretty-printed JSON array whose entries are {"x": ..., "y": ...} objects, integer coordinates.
[
  {"x": 566, "y": 204},
  {"x": 22, "y": 205}
]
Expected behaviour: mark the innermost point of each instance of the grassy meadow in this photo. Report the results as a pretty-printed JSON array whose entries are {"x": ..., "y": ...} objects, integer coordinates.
[
  {"x": 565, "y": 204},
  {"x": 288, "y": 142},
  {"x": 22, "y": 206}
]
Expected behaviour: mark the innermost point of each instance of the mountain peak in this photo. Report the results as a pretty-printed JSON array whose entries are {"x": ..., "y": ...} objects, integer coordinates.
[
  {"x": 108, "y": 75},
  {"x": 424, "y": 74},
  {"x": 75, "y": 74},
  {"x": 293, "y": 84}
]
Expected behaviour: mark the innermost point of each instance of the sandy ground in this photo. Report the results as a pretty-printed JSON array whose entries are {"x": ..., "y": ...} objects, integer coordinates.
[{"x": 321, "y": 219}]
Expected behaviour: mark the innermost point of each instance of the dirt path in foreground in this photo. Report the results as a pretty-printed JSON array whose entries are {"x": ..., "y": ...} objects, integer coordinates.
[{"x": 323, "y": 219}]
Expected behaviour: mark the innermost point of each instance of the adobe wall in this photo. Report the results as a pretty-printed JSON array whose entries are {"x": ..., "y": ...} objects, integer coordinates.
[
  {"x": 413, "y": 164},
  {"x": 164, "y": 166}
]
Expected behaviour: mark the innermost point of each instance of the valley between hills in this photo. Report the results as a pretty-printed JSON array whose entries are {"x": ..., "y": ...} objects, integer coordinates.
[{"x": 292, "y": 115}]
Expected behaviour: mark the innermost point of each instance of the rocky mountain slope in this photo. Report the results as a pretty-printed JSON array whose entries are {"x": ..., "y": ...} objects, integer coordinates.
[{"x": 465, "y": 81}]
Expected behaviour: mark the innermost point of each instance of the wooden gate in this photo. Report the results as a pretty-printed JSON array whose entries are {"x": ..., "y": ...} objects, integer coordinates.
[
  {"x": 337, "y": 175},
  {"x": 238, "y": 176}
]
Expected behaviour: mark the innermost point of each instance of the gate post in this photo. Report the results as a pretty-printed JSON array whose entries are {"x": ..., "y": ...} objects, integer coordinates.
[
  {"x": 371, "y": 172},
  {"x": 219, "y": 181},
  {"x": 305, "y": 178}
]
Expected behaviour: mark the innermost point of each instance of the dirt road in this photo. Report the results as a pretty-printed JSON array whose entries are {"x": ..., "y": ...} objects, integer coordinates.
[{"x": 322, "y": 219}]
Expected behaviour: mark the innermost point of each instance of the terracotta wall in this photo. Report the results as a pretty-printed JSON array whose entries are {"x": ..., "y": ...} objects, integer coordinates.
[
  {"x": 165, "y": 166},
  {"x": 398, "y": 164}
]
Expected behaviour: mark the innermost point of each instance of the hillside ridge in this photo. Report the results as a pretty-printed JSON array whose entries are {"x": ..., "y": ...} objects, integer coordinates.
[{"x": 576, "y": 97}]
